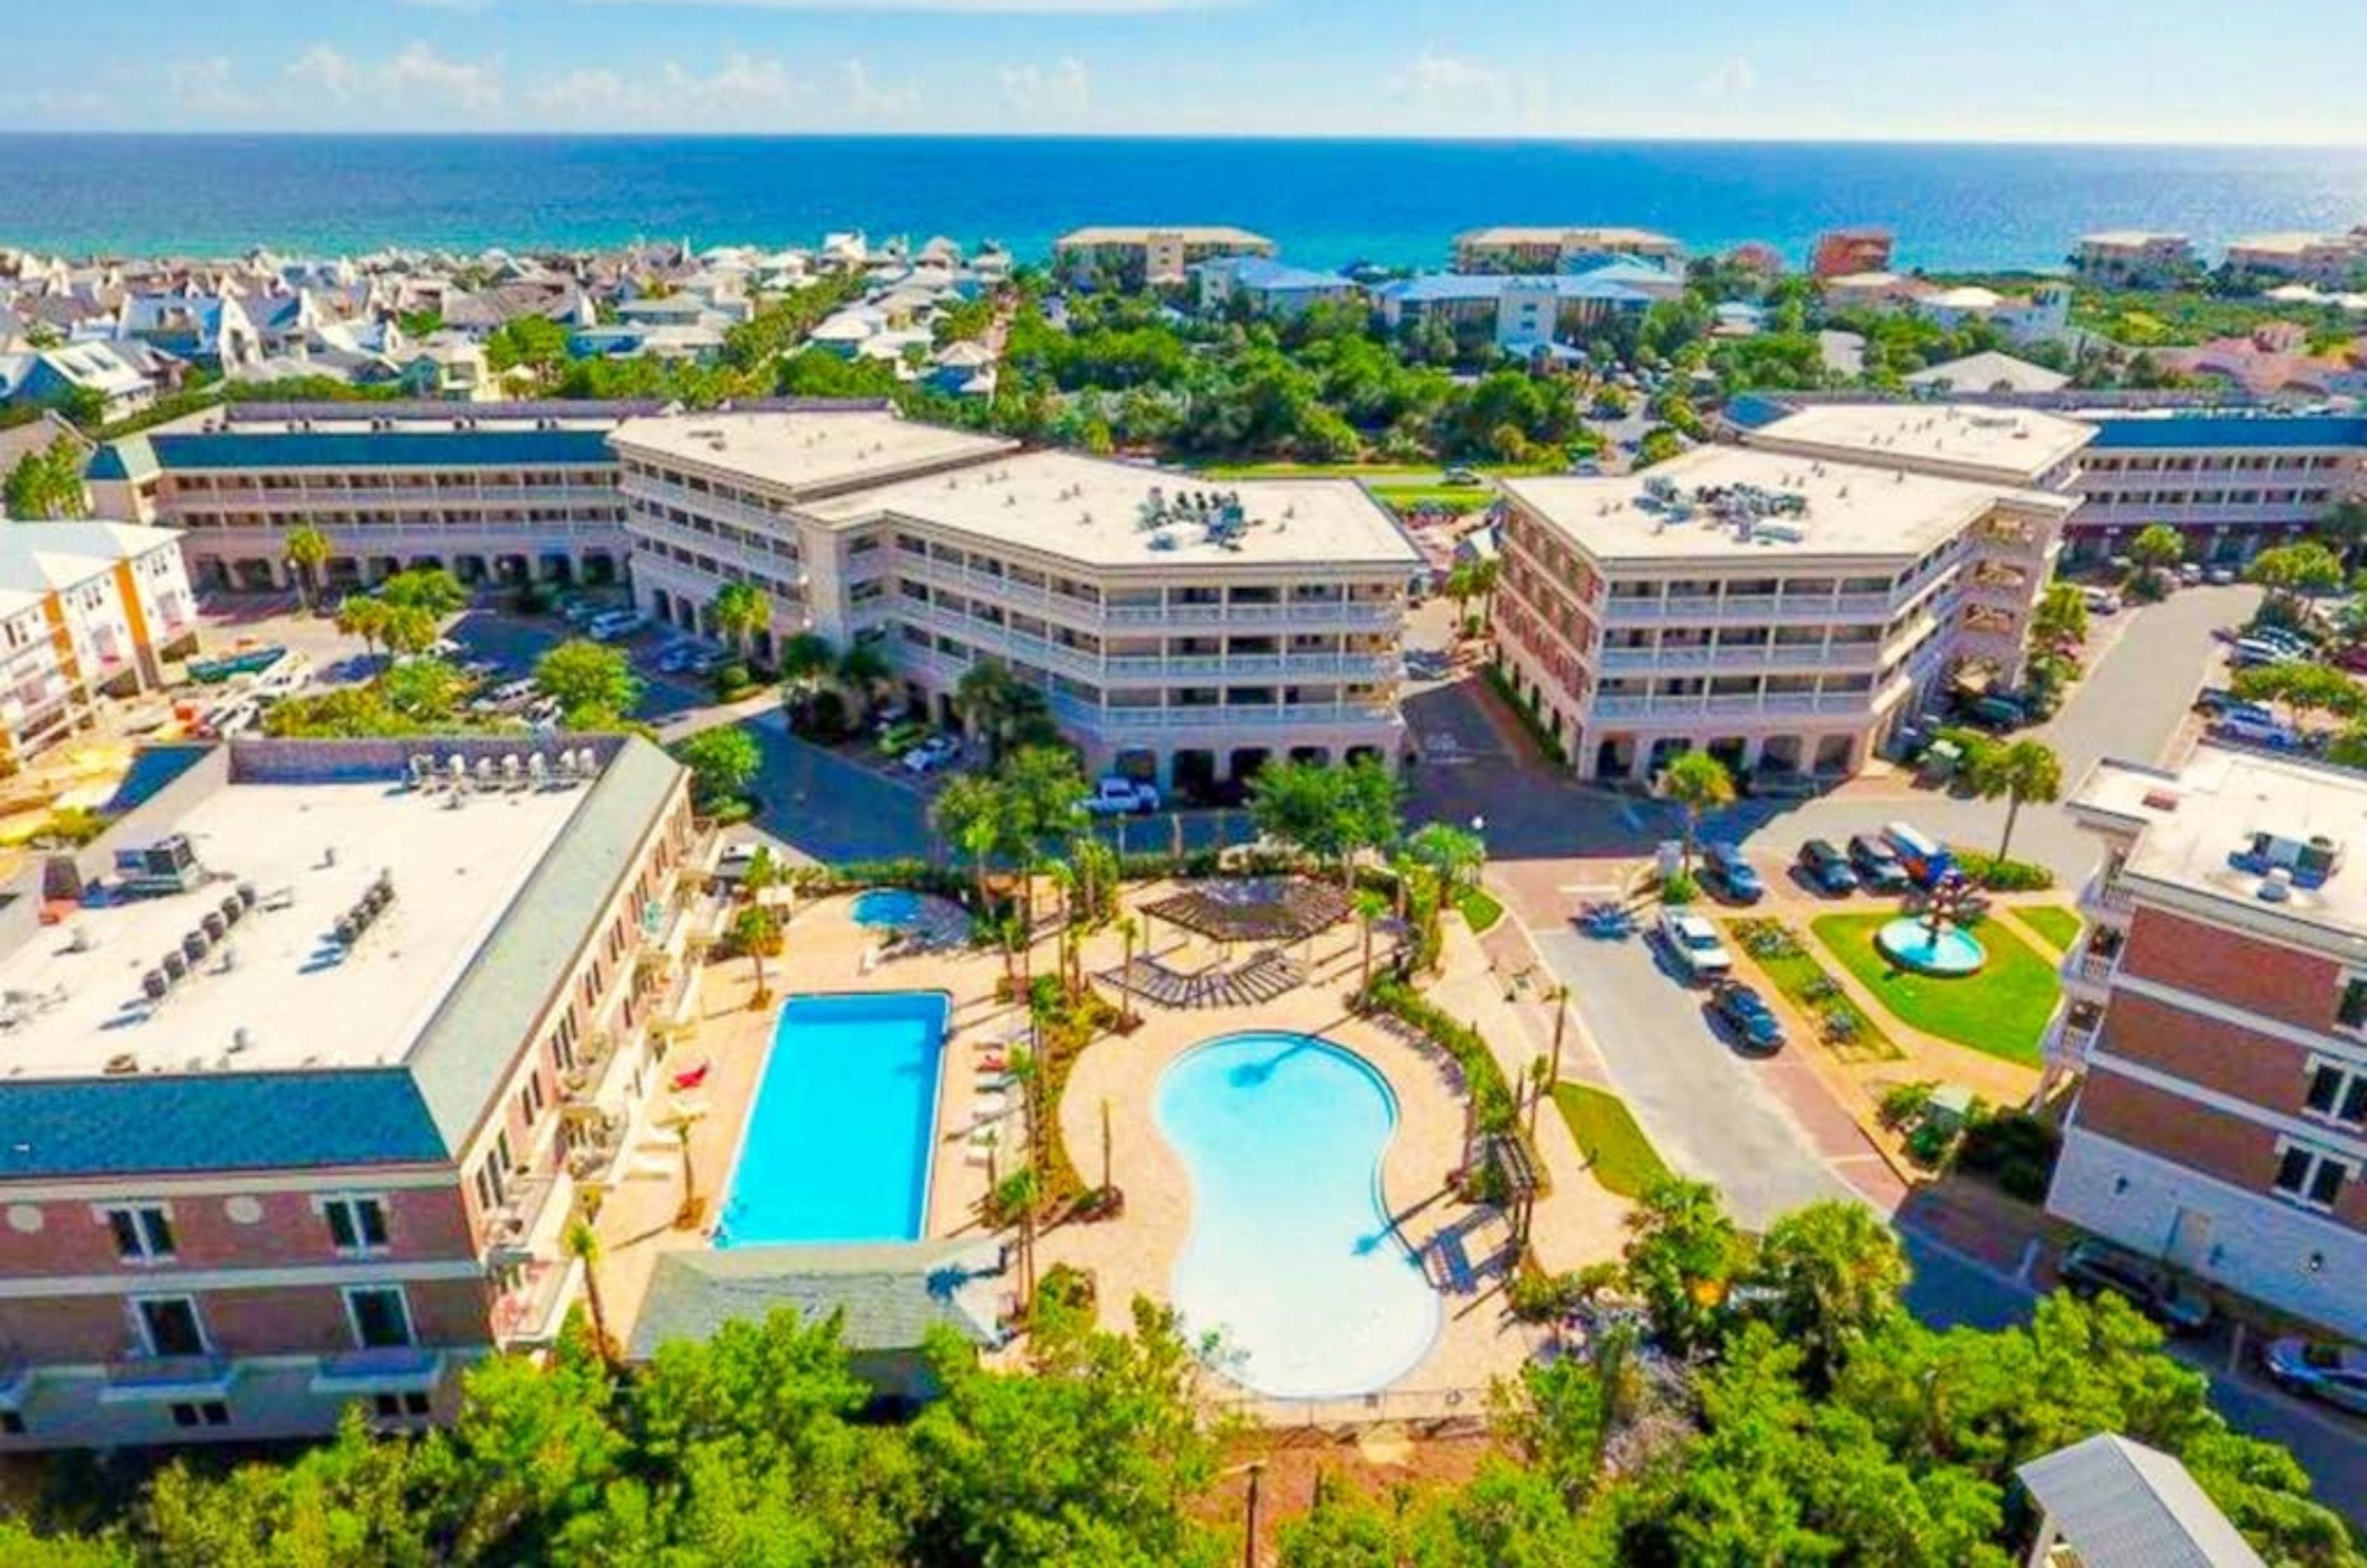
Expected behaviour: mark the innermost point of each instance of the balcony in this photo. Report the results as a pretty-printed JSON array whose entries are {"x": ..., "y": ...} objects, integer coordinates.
[
  {"x": 1779, "y": 656},
  {"x": 1216, "y": 716},
  {"x": 2088, "y": 971},
  {"x": 1701, "y": 706},
  {"x": 131, "y": 1380},
  {"x": 2103, "y": 898},
  {"x": 392, "y": 1368},
  {"x": 2069, "y": 1040},
  {"x": 533, "y": 1311},
  {"x": 1755, "y": 608}
]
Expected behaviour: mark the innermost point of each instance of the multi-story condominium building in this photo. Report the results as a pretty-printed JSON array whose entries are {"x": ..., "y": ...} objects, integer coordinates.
[
  {"x": 2215, "y": 1017},
  {"x": 1180, "y": 632},
  {"x": 1269, "y": 288},
  {"x": 1525, "y": 311},
  {"x": 86, "y": 608},
  {"x": 1531, "y": 250},
  {"x": 1840, "y": 252},
  {"x": 2020, "y": 448},
  {"x": 1784, "y": 611},
  {"x": 1147, "y": 255},
  {"x": 303, "y": 1066},
  {"x": 2230, "y": 483},
  {"x": 497, "y": 492},
  {"x": 2132, "y": 258},
  {"x": 2334, "y": 261}
]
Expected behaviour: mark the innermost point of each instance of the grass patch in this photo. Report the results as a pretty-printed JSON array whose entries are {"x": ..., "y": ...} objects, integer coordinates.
[
  {"x": 2053, "y": 922},
  {"x": 1616, "y": 1151},
  {"x": 1459, "y": 498},
  {"x": 1480, "y": 908},
  {"x": 2002, "y": 1011},
  {"x": 1791, "y": 970}
]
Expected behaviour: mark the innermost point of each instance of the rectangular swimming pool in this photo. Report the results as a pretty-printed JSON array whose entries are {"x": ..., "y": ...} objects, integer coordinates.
[{"x": 838, "y": 1142}]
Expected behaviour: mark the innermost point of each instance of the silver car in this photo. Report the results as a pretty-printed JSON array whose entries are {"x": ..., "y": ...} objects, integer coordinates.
[{"x": 2319, "y": 1369}]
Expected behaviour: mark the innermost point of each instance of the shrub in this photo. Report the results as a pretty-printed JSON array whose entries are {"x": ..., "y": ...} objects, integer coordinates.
[
  {"x": 2002, "y": 875},
  {"x": 827, "y": 719},
  {"x": 1535, "y": 1296},
  {"x": 1906, "y": 1102},
  {"x": 1682, "y": 887},
  {"x": 2014, "y": 1149},
  {"x": 1526, "y": 709},
  {"x": 732, "y": 680},
  {"x": 1491, "y": 1098},
  {"x": 1766, "y": 939},
  {"x": 1928, "y": 1145}
]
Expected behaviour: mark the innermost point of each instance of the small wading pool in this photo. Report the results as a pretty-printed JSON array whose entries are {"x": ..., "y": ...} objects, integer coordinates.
[
  {"x": 887, "y": 907},
  {"x": 838, "y": 1140},
  {"x": 1292, "y": 1259}
]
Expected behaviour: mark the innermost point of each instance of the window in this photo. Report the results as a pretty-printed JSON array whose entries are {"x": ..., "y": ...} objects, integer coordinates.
[
  {"x": 356, "y": 1224},
  {"x": 202, "y": 1413},
  {"x": 2336, "y": 1091},
  {"x": 12, "y": 1424},
  {"x": 142, "y": 1236},
  {"x": 169, "y": 1325},
  {"x": 400, "y": 1406},
  {"x": 2310, "y": 1176},
  {"x": 380, "y": 1316},
  {"x": 2352, "y": 1012}
]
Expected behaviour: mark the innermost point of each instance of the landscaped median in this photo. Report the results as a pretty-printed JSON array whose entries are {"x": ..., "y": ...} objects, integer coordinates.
[
  {"x": 2002, "y": 1011},
  {"x": 1847, "y": 1029},
  {"x": 1617, "y": 1153}
]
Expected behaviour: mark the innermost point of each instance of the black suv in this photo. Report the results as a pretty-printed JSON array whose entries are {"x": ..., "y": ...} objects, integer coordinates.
[
  {"x": 1878, "y": 865},
  {"x": 2092, "y": 1266}
]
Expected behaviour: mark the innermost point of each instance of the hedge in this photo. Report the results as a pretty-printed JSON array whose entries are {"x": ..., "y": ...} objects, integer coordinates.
[{"x": 2001, "y": 876}]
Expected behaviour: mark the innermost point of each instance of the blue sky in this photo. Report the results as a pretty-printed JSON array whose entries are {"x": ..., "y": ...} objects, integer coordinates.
[{"x": 1970, "y": 70}]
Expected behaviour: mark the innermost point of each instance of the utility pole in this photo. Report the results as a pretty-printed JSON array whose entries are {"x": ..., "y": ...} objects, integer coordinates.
[
  {"x": 1553, "y": 1075},
  {"x": 1249, "y": 1540}
]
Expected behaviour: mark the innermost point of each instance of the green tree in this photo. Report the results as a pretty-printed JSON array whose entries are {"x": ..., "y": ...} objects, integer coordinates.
[
  {"x": 806, "y": 660},
  {"x": 2157, "y": 550},
  {"x": 2059, "y": 623},
  {"x": 757, "y": 932},
  {"x": 723, "y": 761},
  {"x": 583, "y": 1244},
  {"x": 1330, "y": 814},
  {"x": 47, "y": 484},
  {"x": 2019, "y": 772},
  {"x": 1698, "y": 782},
  {"x": 430, "y": 588},
  {"x": 738, "y": 612},
  {"x": 1837, "y": 1275},
  {"x": 2344, "y": 530},
  {"x": 427, "y": 691},
  {"x": 1681, "y": 1259},
  {"x": 2291, "y": 573},
  {"x": 991, "y": 701},
  {"x": 1660, "y": 445},
  {"x": 534, "y": 343},
  {"x": 2304, "y": 687},
  {"x": 863, "y": 669},
  {"x": 974, "y": 817},
  {"x": 592, "y": 683},
  {"x": 307, "y": 552}
]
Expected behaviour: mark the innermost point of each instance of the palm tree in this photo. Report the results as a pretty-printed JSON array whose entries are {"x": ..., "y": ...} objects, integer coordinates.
[
  {"x": 757, "y": 930},
  {"x": 307, "y": 552},
  {"x": 366, "y": 618},
  {"x": 2025, "y": 771},
  {"x": 861, "y": 670},
  {"x": 1370, "y": 907},
  {"x": 689, "y": 1215},
  {"x": 1130, "y": 930},
  {"x": 986, "y": 697},
  {"x": 583, "y": 1245},
  {"x": 739, "y": 612},
  {"x": 1698, "y": 782},
  {"x": 1486, "y": 574},
  {"x": 1462, "y": 585},
  {"x": 805, "y": 659},
  {"x": 971, "y": 812}
]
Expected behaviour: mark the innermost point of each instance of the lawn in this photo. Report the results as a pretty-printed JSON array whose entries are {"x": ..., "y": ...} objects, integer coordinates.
[
  {"x": 2001, "y": 1011},
  {"x": 1616, "y": 1151},
  {"x": 2053, "y": 922},
  {"x": 1804, "y": 982},
  {"x": 1479, "y": 908}
]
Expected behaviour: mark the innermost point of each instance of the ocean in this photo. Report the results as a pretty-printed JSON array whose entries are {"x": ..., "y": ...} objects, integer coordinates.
[{"x": 1328, "y": 202}]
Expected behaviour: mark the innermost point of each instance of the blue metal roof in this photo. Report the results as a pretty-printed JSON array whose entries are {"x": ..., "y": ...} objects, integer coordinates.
[
  {"x": 1272, "y": 276},
  {"x": 167, "y": 1122},
  {"x": 1441, "y": 287},
  {"x": 2158, "y": 431},
  {"x": 378, "y": 448}
]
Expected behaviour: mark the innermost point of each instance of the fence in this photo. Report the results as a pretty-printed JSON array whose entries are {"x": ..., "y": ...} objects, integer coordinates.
[{"x": 1443, "y": 1409}]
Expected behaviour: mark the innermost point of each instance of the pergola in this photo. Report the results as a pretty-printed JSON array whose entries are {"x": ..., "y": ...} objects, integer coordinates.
[
  {"x": 1509, "y": 1155},
  {"x": 1274, "y": 910}
]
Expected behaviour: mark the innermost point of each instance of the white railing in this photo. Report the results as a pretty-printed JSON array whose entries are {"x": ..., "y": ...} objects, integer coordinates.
[
  {"x": 1675, "y": 660},
  {"x": 1780, "y": 705},
  {"x": 1221, "y": 718},
  {"x": 1806, "y": 607}
]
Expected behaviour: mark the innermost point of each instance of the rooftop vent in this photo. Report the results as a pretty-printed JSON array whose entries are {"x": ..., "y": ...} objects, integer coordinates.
[{"x": 2276, "y": 887}]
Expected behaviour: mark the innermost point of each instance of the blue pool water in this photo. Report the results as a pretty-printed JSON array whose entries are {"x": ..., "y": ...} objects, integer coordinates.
[
  {"x": 1292, "y": 1259},
  {"x": 837, "y": 1143},
  {"x": 887, "y": 907}
]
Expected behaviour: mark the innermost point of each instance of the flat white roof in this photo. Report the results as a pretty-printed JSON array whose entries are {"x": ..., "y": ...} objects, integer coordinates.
[
  {"x": 806, "y": 451},
  {"x": 1849, "y": 510},
  {"x": 1611, "y": 236},
  {"x": 2131, "y": 237},
  {"x": 2191, "y": 821},
  {"x": 1108, "y": 513},
  {"x": 2004, "y": 445},
  {"x": 75, "y": 988},
  {"x": 1143, "y": 233},
  {"x": 40, "y": 557}
]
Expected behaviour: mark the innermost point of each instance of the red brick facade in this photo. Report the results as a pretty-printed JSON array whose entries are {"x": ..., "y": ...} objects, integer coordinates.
[
  {"x": 2204, "y": 1050},
  {"x": 2239, "y": 1153},
  {"x": 2231, "y": 967},
  {"x": 288, "y": 1232}
]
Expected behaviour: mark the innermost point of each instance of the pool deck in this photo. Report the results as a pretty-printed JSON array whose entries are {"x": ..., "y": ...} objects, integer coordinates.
[{"x": 1136, "y": 1254}]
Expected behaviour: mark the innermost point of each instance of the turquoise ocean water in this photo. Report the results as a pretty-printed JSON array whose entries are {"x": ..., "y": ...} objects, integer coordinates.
[{"x": 1328, "y": 201}]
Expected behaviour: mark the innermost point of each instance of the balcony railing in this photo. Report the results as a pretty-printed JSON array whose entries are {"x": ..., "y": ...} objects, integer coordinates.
[
  {"x": 138, "y": 1377},
  {"x": 1781, "y": 705},
  {"x": 1753, "y": 607},
  {"x": 532, "y": 1311},
  {"x": 389, "y": 1368}
]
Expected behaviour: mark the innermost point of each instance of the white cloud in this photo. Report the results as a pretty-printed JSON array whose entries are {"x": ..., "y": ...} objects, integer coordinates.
[
  {"x": 208, "y": 86},
  {"x": 1066, "y": 89},
  {"x": 323, "y": 67},
  {"x": 865, "y": 96},
  {"x": 742, "y": 89},
  {"x": 415, "y": 82},
  {"x": 1445, "y": 78},
  {"x": 1734, "y": 77},
  {"x": 419, "y": 73}
]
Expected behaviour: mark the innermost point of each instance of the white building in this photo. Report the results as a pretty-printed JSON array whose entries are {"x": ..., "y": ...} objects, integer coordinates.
[
  {"x": 1139, "y": 255},
  {"x": 1781, "y": 611},
  {"x": 1513, "y": 248},
  {"x": 2133, "y": 258},
  {"x": 85, "y": 608},
  {"x": 2021, "y": 447},
  {"x": 1179, "y": 634},
  {"x": 2332, "y": 261}
]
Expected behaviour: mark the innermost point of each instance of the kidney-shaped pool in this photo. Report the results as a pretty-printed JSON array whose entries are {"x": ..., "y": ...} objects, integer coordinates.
[{"x": 1292, "y": 1259}]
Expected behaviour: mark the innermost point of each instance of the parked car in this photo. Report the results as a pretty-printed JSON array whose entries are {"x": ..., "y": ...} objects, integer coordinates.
[
  {"x": 2318, "y": 1369},
  {"x": 2191, "y": 573},
  {"x": 1827, "y": 868},
  {"x": 2219, "y": 576},
  {"x": 2101, "y": 601},
  {"x": 930, "y": 755},
  {"x": 2092, "y": 1266},
  {"x": 509, "y": 695},
  {"x": 2216, "y": 702},
  {"x": 617, "y": 627},
  {"x": 1877, "y": 865},
  {"x": 1734, "y": 875},
  {"x": 2250, "y": 727},
  {"x": 1117, "y": 796},
  {"x": 1748, "y": 1018},
  {"x": 1998, "y": 712},
  {"x": 2249, "y": 651},
  {"x": 1693, "y": 943}
]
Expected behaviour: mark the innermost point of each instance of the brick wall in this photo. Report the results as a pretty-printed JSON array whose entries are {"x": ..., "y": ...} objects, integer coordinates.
[
  {"x": 273, "y": 1320},
  {"x": 2178, "y": 1130},
  {"x": 2259, "y": 1068},
  {"x": 2242, "y": 971},
  {"x": 285, "y": 1230}
]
